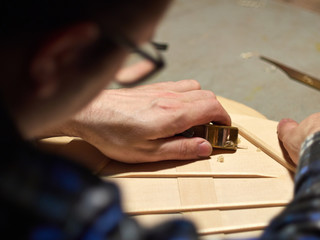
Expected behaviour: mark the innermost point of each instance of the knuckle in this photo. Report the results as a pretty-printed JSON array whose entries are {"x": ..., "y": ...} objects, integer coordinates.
[
  {"x": 195, "y": 83},
  {"x": 169, "y": 94},
  {"x": 163, "y": 94},
  {"x": 167, "y": 104},
  {"x": 183, "y": 149},
  {"x": 147, "y": 154},
  {"x": 210, "y": 94}
]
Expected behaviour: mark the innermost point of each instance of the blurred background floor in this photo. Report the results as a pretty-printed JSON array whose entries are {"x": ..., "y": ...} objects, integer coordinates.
[
  {"x": 313, "y": 5},
  {"x": 217, "y": 42}
]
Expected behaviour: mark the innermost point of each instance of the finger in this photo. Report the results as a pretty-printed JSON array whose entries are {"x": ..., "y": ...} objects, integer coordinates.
[
  {"x": 310, "y": 125},
  {"x": 203, "y": 107},
  {"x": 186, "y": 85},
  {"x": 179, "y": 86},
  {"x": 180, "y": 148},
  {"x": 286, "y": 126},
  {"x": 208, "y": 109},
  {"x": 290, "y": 138}
]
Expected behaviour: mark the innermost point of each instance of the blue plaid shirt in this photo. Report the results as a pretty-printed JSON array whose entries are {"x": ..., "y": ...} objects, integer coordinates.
[
  {"x": 301, "y": 218},
  {"x": 47, "y": 197}
]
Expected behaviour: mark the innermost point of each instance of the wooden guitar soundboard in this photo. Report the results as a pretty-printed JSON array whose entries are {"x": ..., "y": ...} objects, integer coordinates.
[{"x": 230, "y": 194}]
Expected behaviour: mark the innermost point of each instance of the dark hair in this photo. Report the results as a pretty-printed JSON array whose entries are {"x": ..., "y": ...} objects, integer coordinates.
[
  {"x": 26, "y": 24},
  {"x": 34, "y": 17}
]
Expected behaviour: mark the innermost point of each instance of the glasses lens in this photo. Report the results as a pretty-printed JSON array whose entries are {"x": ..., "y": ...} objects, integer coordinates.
[{"x": 138, "y": 65}]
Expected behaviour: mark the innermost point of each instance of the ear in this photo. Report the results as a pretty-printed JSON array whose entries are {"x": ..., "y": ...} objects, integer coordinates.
[{"x": 58, "y": 55}]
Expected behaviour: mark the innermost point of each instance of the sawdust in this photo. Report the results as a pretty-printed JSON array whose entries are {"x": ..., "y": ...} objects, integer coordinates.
[
  {"x": 220, "y": 159},
  {"x": 247, "y": 55}
]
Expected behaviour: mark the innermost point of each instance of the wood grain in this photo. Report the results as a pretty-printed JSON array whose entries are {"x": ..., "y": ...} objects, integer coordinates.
[{"x": 234, "y": 197}]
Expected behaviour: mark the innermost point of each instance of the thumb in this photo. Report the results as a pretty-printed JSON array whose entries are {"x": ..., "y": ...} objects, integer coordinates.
[
  {"x": 289, "y": 138},
  {"x": 180, "y": 148},
  {"x": 285, "y": 126}
]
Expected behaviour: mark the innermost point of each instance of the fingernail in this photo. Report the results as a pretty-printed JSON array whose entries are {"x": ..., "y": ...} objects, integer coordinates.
[{"x": 204, "y": 149}]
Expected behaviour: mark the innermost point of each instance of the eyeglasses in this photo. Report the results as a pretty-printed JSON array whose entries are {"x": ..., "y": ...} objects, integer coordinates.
[{"x": 141, "y": 64}]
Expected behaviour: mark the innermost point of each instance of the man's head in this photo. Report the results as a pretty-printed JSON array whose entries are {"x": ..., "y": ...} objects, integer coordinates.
[{"x": 57, "y": 55}]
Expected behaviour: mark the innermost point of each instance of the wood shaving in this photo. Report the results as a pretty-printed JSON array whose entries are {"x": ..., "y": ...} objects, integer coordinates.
[
  {"x": 220, "y": 159},
  {"x": 247, "y": 55}
]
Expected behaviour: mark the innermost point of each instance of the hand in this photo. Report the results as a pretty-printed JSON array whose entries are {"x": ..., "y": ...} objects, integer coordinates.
[
  {"x": 293, "y": 134},
  {"x": 140, "y": 124}
]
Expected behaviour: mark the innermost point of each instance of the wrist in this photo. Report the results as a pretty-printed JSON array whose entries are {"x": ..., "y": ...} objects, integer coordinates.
[{"x": 69, "y": 128}]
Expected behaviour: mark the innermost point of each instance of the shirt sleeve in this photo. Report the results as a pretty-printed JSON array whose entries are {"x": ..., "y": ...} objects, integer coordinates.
[{"x": 301, "y": 218}]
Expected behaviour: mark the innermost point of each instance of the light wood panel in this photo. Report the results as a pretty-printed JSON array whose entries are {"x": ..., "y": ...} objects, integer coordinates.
[{"x": 229, "y": 194}]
